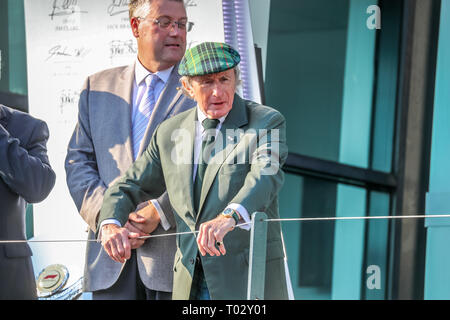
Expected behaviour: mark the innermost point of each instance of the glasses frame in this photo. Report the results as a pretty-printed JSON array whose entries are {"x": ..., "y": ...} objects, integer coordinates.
[{"x": 188, "y": 25}]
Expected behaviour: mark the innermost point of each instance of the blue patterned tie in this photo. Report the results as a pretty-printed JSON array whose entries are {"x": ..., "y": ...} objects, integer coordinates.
[{"x": 145, "y": 110}]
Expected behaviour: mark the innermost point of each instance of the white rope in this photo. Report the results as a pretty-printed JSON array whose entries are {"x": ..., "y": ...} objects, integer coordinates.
[
  {"x": 362, "y": 218},
  {"x": 94, "y": 240},
  {"x": 44, "y": 241},
  {"x": 181, "y": 233},
  {"x": 240, "y": 225}
]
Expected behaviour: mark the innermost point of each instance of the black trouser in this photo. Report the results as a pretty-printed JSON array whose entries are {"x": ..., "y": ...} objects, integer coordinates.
[{"x": 199, "y": 288}]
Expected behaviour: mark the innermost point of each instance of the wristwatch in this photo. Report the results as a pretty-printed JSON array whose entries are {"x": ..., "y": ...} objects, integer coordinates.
[{"x": 230, "y": 213}]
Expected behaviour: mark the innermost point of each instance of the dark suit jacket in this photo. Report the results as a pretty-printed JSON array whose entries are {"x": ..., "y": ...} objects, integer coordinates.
[
  {"x": 25, "y": 177},
  {"x": 229, "y": 178}
]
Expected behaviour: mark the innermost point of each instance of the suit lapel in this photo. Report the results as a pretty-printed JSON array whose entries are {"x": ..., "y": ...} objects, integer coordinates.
[
  {"x": 124, "y": 89},
  {"x": 185, "y": 171},
  {"x": 237, "y": 118},
  {"x": 166, "y": 101},
  {"x": 3, "y": 120}
]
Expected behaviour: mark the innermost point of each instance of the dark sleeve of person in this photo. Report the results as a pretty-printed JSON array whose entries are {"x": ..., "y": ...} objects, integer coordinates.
[{"x": 25, "y": 167}]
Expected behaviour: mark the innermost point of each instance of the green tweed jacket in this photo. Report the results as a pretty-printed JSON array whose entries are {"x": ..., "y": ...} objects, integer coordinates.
[{"x": 246, "y": 171}]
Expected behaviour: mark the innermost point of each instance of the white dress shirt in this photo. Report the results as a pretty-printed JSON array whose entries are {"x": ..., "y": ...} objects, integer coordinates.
[{"x": 139, "y": 87}]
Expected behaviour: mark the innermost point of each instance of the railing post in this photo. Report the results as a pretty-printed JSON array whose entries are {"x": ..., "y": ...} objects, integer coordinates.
[{"x": 257, "y": 257}]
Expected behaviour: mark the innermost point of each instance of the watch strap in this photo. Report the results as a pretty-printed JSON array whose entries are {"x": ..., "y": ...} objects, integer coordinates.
[{"x": 234, "y": 215}]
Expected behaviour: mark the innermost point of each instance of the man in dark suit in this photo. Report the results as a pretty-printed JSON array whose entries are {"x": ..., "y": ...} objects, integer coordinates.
[
  {"x": 119, "y": 109},
  {"x": 25, "y": 177},
  {"x": 219, "y": 162}
]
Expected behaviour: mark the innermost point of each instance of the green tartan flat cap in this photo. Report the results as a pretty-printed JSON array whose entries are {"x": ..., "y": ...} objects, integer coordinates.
[{"x": 208, "y": 57}]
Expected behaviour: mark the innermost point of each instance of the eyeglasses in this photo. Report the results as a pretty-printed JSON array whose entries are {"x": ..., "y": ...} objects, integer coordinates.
[{"x": 165, "y": 22}]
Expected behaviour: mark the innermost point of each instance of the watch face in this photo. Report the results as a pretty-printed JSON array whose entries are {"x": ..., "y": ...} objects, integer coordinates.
[{"x": 228, "y": 211}]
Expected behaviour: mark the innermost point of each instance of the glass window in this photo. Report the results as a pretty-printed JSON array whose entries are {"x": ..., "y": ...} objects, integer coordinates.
[
  {"x": 321, "y": 69},
  {"x": 334, "y": 259},
  {"x": 335, "y": 80},
  {"x": 13, "y": 70}
]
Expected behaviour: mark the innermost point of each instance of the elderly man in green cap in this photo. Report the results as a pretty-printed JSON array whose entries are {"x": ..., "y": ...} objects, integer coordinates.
[{"x": 220, "y": 162}]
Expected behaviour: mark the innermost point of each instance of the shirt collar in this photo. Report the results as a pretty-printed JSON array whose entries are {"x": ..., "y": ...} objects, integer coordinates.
[
  {"x": 201, "y": 116},
  {"x": 141, "y": 73}
]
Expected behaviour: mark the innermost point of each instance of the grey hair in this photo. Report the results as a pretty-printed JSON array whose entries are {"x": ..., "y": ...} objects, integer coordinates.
[
  {"x": 188, "y": 79},
  {"x": 141, "y": 8}
]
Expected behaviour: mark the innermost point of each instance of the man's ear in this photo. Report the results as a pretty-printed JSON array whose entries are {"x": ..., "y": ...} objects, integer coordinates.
[
  {"x": 134, "y": 23},
  {"x": 187, "y": 87}
]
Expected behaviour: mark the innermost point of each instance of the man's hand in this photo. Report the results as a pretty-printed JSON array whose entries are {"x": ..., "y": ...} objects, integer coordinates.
[
  {"x": 135, "y": 243},
  {"x": 116, "y": 243},
  {"x": 211, "y": 233},
  {"x": 145, "y": 218}
]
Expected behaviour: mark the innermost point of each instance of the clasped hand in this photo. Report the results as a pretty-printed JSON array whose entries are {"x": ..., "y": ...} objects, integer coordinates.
[{"x": 118, "y": 242}]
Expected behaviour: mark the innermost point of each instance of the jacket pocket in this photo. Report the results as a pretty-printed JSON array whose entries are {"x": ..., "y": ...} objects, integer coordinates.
[
  {"x": 17, "y": 250},
  {"x": 228, "y": 169},
  {"x": 177, "y": 260}
]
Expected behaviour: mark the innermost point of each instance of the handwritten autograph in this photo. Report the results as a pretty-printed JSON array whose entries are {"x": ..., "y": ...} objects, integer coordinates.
[
  {"x": 190, "y": 3},
  {"x": 60, "y": 51},
  {"x": 118, "y": 48},
  {"x": 67, "y": 99},
  {"x": 118, "y": 7},
  {"x": 65, "y": 8}
]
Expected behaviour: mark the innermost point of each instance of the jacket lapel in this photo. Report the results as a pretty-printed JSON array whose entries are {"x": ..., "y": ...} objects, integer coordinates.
[
  {"x": 3, "y": 119},
  {"x": 124, "y": 89},
  {"x": 185, "y": 171},
  {"x": 166, "y": 101},
  {"x": 237, "y": 118}
]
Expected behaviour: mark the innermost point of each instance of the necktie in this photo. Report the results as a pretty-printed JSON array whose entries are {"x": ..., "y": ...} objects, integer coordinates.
[
  {"x": 144, "y": 112},
  {"x": 205, "y": 155}
]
